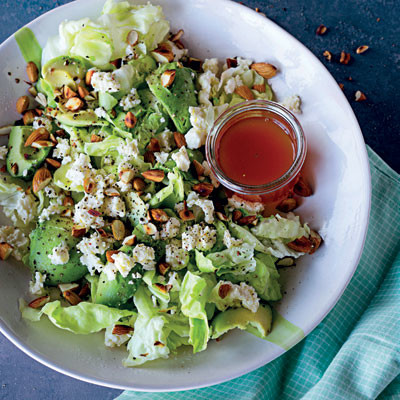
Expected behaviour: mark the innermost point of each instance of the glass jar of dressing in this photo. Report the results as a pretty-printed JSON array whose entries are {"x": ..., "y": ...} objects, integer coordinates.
[{"x": 256, "y": 149}]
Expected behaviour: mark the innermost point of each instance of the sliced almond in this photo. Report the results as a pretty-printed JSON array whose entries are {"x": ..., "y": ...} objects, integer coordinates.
[
  {"x": 163, "y": 53},
  {"x": 180, "y": 140},
  {"x": 344, "y": 58},
  {"x": 260, "y": 88},
  {"x": 163, "y": 288},
  {"x": 126, "y": 175},
  {"x": 177, "y": 36},
  {"x": 159, "y": 344},
  {"x": 287, "y": 205},
  {"x": 68, "y": 201},
  {"x": 129, "y": 240},
  {"x": 245, "y": 92},
  {"x": 14, "y": 168},
  {"x": 74, "y": 104},
  {"x": 132, "y": 38},
  {"x": 204, "y": 189},
  {"x": 110, "y": 254},
  {"x": 265, "y": 70},
  {"x": 5, "y": 251},
  {"x": 231, "y": 62},
  {"x": 41, "y": 144},
  {"x": 39, "y": 302},
  {"x": 195, "y": 64},
  {"x": 88, "y": 78},
  {"x": 302, "y": 188},
  {"x": 122, "y": 330},
  {"x": 186, "y": 215},
  {"x": 149, "y": 157},
  {"x": 95, "y": 139},
  {"x": 22, "y": 104},
  {"x": 72, "y": 297},
  {"x": 362, "y": 49},
  {"x": 117, "y": 63},
  {"x": 130, "y": 120},
  {"x": 38, "y": 134},
  {"x": 163, "y": 268},
  {"x": 32, "y": 72},
  {"x": 360, "y": 96},
  {"x": 223, "y": 290},
  {"x": 111, "y": 192},
  {"x": 199, "y": 168},
  {"x": 168, "y": 77},
  {"x": 302, "y": 245},
  {"x": 29, "y": 117},
  {"x": 78, "y": 232},
  {"x": 316, "y": 241},
  {"x": 139, "y": 184},
  {"x": 328, "y": 55},
  {"x": 85, "y": 290},
  {"x": 88, "y": 185},
  {"x": 83, "y": 92},
  {"x": 321, "y": 30},
  {"x": 159, "y": 215},
  {"x": 250, "y": 219},
  {"x": 150, "y": 229},
  {"x": 41, "y": 179},
  {"x": 153, "y": 145},
  {"x": 118, "y": 229},
  {"x": 68, "y": 286},
  {"x": 68, "y": 92},
  {"x": 221, "y": 216},
  {"x": 236, "y": 215},
  {"x": 103, "y": 233},
  {"x": 66, "y": 213},
  {"x": 154, "y": 175}
]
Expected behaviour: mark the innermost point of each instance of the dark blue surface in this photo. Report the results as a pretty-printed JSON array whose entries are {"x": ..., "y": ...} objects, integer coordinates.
[{"x": 350, "y": 23}]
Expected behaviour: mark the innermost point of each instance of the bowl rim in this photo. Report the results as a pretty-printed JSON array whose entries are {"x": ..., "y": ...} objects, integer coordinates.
[{"x": 356, "y": 255}]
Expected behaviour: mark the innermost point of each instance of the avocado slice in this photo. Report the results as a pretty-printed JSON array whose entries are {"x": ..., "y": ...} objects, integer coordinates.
[
  {"x": 44, "y": 238},
  {"x": 64, "y": 70},
  {"x": 80, "y": 118},
  {"x": 178, "y": 97},
  {"x": 258, "y": 323},
  {"x": 26, "y": 158}
]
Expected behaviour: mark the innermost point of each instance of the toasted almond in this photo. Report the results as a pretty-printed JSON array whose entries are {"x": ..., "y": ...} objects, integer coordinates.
[
  {"x": 287, "y": 205},
  {"x": 245, "y": 92},
  {"x": 41, "y": 144},
  {"x": 29, "y": 117},
  {"x": 68, "y": 286},
  {"x": 72, "y": 297},
  {"x": 250, "y": 219},
  {"x": 110, "y": 254},
  {"x": 159, "y": 344},
  {"x": 68, "y": 201},
  {"x": 153, "y": 145},
  {"x": 41, "y": 179},
  {"x": 328, "y": 55},
  {"x": 150, "y": 229},
  {"x": 221, "y": 216},
  {"x": 95, "y": 139},
  {"x": 316, "y": 241},
  {"x": 83, "y": 92},
  {"x": 168, "y": 77},
  {"x": 186, "y": 215},
  {"x": 32, "y": 72},
  {"x": 126, "y": 175},
  {"x": 68, "y": 92},
  {"x": 78, "y": 232},
  {"x": 177, "y": 36},
  {"x": 163, "y": 268},
  {"x": 88, "y": 78},
  {"x": 88, "y": 185},
  {"x": 139, "y": 184},
  {"x": 195, "y": 64},
  {"x": 74, "y": 104},
  {"x": 129, "y": 240},
  {"x": 236, "y": 215},
  {"x": 266, "y": 70},
  {"x": 302, "y": 244},
  {"x": 204, "y": 189},
  {"x": 341, "y": 86},
  {"x": 159, "y": 215},
  {"x": 22, "y": 104},
  {"x": 122, "y": 330},
  {"x": 102, "y": 233},
  {"x": 180, "y": 140},
  {"x": 360, "y": 96},
  {"x": 302, "y": 188},
  {"x": 362, "y": 49},
  {"x": 130, "y": 120},
  {"x": 163, "y": 288},
  {"x": 149, "y": 157},
  {"x": 5, "y": 251},
  {"x": 199, "y": 168},
  {"x": 53, "y": 139},
  {"x": 321, "y": 30},
  {"x": 154, "y": 175},
  {"x": 38, "y": 134},
  {"x": 117, "y": 62},
  {"x": 164, "y": 50},
  {"x": 260, "y": 88},
  {"x": 111, "y": 192},
  {"x": 14, "y": 168},
  {"x": 85, "y": 290},
  {"x": 223, "y": 290},
  {"x": 39, "y": 302},
  {"x": 132, "y": 38},
  {"x": 118, "y": 229},
  {"x": 66, "y": 213},
  {"x": 60, "y": 133},
  {"x": 344, "y": 58},
  {"x": 231, "y": 62}
]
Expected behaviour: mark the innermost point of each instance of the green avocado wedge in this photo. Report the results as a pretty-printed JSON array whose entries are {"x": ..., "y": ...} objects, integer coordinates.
[{"x": 44, "y": 238}]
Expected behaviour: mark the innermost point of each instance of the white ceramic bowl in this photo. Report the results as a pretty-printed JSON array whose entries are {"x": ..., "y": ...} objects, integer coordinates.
[{"x": 337, "y": 164}]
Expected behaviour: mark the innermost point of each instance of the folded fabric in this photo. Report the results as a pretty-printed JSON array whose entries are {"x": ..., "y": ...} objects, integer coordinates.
[{"x": 354, "y": 354}]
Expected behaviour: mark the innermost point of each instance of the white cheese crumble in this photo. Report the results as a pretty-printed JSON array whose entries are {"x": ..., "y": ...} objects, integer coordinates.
[
  {"x": 111, "y": 340},
  {"x": 293, "y": 103},
  {"x": 79, "y": 170},
  {"x": 123, "y": 263},
  {"x": 16, "y": 238},
  {"x": 36, "y": 286},
  {"x": 242, "y": 295},
  {"x": 114, "y": 207},
  {"x": 145, "y": 256},
  {"x": 206, "y": 205},
  {"x": 63, "y": 151},
  {"x": 22, "y": 210},
  {"x": 42, "y": 122},
  {"x": 130, "y": 101},
  {"x": 59, "y": 254},
  {"x": 182, "y": 159},
  {"x": 211, "y": 64},
  {"x": 230, "y": 241},
  {"x": 3, "y": 152},
  {"x": 176, "y": 255},
  {"x": 105, "y": 82},
  {"x": 100, "y": 112},
  {"x": 251, "y": 207},
  {"x": 52, "y": 209},
  {"x": 170, "y": 229},
  {"x": 178, "y": 53},
  {"x": 161, "y": 157},
  {"x": 199, "y": 237}
]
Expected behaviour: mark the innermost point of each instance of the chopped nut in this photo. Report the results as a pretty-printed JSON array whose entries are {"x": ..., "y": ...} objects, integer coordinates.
[
  {"x": 195, "y": 64},
  {"x": 38, "y": 134},
  {"x": 224, "y": 290},
  {"x": 231, "y": 62},
  {"x": 164, "y": 50},
  {"x": 22, "y": 104},
  {"x": 88, "y": 185},
  {"x": 53, "y": 163},
  {"x": 180, "y": 140},
  {"x": 83, "y": 92},
  {"x": 321, "y": 30},
  {"x": 266, "y": 70},
  {"x": 199, "y": 168},
  {"x": 341, "y": 86},
  {"x": 78, "y": 232},
  {"x": 5, "y": 251},
  {"x": 68, "y": 201},
  {"x": 287, "y": 205},
  {"x": 221, "y": 216},
  {"x": 88, "y": 78},
  {"x": 29, "y": 117},
  {"x": 74, "y": 104},
  {"x": 32, "y": 90},
  {"x": 110, "y": 254},
  {"x": 316, "y": 241},
  {"x": 39, "y": 302},
  {"x": 103, "y": 233},
  {"x": 360, "y": 96},
  {"x": 186, "y": 215},
  {"x": 150, "y": 229},
  {"x": 32, "y": 72},
  {"x": 149, "y": 157},
  {"x": 117, "y": 62},
  {"x": 204, "y": 189},
  {"x": 111, "y": 192},
  {"x": 84, "y": 291},
  {"x": 130, "y": 120},
  {"x": 66, "y": 213},
  {"x": 362, "y": 49},
  {"x": 163, "y": 288},
  {"x": 245, "y": 92},
  {"x": 95, "y": 139},
  {"x": 250, "y": 219},
  {"x": 302, "y": 244},
  {"x": 126, "y": 175},
  {"x": 122, "y": 330},
  {"x": 41, "y": 144},
  {"x": 72, "y": 297},
  {"x": 236, "y": 215},
  {"x": 159, "y": 215},
  {"x": 153, "y": 145},
  {"x": 139, "y": 184},
  {"x": 177, "y": 36},
  {"x": 68, "y": 92},
  {"x": 328, "y": 55},
  {"x": 159, "y": 344},
  {"x": 302, "y": 188},
  {"x": 129, "y": 240},
  {"x": 154, "y": 175},
  {"x": 260, "y": 88},
  {"x": 41, "y": 179},
  {"x": 163, "y": 268},
  {"x": 14, "y": 168},
  {"x": 168, "y": 77},
  {"x": 344, "y": 58},
  {"x": 118, "y": 229}
]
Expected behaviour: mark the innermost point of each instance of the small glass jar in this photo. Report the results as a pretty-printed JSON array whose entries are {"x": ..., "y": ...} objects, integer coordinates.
[{"x": 268, "y": 192}]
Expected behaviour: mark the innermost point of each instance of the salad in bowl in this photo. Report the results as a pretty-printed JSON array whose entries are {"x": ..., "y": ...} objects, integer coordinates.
[{"x": 111, "y": 201}]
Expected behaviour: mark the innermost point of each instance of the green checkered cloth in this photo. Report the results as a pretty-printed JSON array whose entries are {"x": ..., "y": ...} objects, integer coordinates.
[{"x": 355, "y": 352}]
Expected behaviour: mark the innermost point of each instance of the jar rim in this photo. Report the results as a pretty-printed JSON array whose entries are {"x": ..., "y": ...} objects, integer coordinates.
[{"x": 254, "y": 105}]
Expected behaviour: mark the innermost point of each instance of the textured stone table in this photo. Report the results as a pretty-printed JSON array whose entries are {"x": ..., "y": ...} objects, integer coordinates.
[{"x": 376, "y": 73}]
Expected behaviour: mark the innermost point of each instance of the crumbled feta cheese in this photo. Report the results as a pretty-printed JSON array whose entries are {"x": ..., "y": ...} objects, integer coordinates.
[
  {"x": 130, "y": 101},
  {"x": 182, "y": 159},
  {"x": 52, "y": 209},
  {"x": 3, "y": 152},
  {"x": 178, "y": 53},
  {"x": 232, "y": 84},
  {"x": 145, "y": 256},
  {"x": 25, "y": 172},
  {"x": 161, "y": 157},
  {"x": 211, "y": 64},
  {"x": 123, "y": 263},
  {"x": 111, "y": 340},
  {"x": 230, "y": 241},
  {"x": 63, "y": 151},
  {"x": 129, "y": 149},
  {"x": 206, "y": 205},
  {"x": 199, "y": 237},
  {"x": 22, "y": 210},
  {"x": 105, "y": 82},
  {"x": 42, "y": 122},
  {"x": 170, "y": 229},
  {"x": 208, "y": 172},
  {"x": 83, "y": 214},
  {"x": 16, "y": 238},
  {"x": 36, "y": 286},
  {"x": 79, "y": 170},
  {"x": 293, "y": 103},
  {"x": 59, "y": 254},
  {"x": 250, "y": 206},
  {"x": 51, "y": 191},
  {"x": 176, "y": 255},
  {"x": 239, "y": 295},
  {"x": 114, "y": 207},
  {"x": 100, "y": 112},
  {"x": 209, "y": 86}
]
